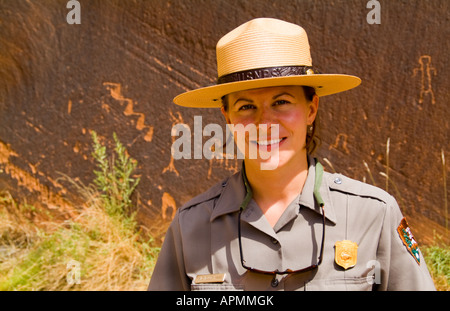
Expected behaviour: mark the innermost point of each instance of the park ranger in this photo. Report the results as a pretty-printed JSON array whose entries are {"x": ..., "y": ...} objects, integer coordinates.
[{"x": 290, "y": 225}]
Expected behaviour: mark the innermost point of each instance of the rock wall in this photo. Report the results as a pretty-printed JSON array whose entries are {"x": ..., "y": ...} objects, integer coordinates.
[{"x": 118, "y": 70}]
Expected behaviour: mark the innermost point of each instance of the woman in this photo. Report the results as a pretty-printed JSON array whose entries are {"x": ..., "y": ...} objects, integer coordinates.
[{"x": 291, "y": 227}]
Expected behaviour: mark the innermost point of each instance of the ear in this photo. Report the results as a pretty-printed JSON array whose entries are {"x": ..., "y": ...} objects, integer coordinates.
[
  {"x": 225, "y": 114},
  {"x": 313, "y": 108}
]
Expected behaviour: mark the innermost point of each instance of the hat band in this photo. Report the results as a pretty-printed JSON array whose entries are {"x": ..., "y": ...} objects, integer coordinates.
[{"x": 264, "y": 73}]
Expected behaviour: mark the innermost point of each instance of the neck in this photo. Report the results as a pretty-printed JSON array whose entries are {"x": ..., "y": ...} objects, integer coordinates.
[{"x": 273, "y": 190}]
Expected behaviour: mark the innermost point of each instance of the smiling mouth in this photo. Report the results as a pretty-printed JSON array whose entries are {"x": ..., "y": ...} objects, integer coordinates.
[{"x": 268, "y": 142}]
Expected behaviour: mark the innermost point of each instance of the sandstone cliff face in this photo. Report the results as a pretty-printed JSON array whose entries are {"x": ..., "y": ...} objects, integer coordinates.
[{"x": 118, "y": 70}]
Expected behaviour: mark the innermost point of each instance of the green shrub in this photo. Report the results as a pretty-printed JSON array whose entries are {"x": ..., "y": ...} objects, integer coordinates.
[{"x": 103, "y": 239}]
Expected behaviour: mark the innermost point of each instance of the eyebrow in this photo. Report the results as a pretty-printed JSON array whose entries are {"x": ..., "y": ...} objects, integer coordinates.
[
  {"x": 244, "y": 99},
  {"x": 282, "y": 94}
]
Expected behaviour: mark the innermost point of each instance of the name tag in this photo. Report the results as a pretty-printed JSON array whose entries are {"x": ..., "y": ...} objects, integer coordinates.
[{"x": 209, "y": 278}]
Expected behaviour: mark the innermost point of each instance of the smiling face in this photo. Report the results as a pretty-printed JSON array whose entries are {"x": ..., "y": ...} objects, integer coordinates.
[{"x": 284, "y": 106}]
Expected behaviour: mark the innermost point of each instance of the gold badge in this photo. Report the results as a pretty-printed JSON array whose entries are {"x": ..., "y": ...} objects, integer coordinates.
[
  {"x": 345, "y": 253},
  {"x": 210, "y": 278}
]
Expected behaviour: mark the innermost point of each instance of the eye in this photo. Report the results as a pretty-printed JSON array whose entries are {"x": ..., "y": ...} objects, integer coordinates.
[
  {"x": 246, "y": 107},
  {"x": 281, "y": 102}
]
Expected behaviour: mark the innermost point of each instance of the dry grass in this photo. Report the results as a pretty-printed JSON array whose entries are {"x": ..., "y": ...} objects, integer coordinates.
[
  {"x": 100, "y": 247},
  {"x": 444, "y": 178},
  {"x": 35, "y": 255}
]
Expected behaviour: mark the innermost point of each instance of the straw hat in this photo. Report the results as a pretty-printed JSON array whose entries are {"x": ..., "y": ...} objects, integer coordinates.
[{"x": 264, "y": 52}]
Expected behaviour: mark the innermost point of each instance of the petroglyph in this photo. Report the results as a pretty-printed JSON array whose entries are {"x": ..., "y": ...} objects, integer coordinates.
[
  {"x": 69, "y": 107},
  {"x": 340, "y": 137},
  {"x": 228, "y": 161},
  {"x": 115, "y": 90},
  {"x": 26, "y": 180},
  {"x": 231, "y": 165},
  {"x": 425, "y": 69},
  {"x": 175, "y": 120},
  {"x": 168, "y": 202}
]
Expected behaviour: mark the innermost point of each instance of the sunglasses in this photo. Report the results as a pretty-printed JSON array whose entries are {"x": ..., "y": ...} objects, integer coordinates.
[{"x": 317, "y": 196}]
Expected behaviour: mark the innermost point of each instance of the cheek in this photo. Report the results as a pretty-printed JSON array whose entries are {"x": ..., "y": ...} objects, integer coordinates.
[
  {"x": 294, "y": 122},
  {"x": 239, "y": 119}
]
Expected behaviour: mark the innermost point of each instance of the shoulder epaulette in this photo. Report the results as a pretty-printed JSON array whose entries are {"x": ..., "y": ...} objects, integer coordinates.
[
  {"x": 348, "y": 185},
  {"x": 209, "y": 194}
]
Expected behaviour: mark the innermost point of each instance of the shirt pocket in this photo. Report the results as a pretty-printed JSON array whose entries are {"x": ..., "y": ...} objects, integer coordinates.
[
  {"x": 217, "y": 287},
  {"x": 340, "y": 284}
]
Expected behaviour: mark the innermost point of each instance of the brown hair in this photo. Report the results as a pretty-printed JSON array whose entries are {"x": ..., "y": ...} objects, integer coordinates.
[{"x": 312, "y": 140}]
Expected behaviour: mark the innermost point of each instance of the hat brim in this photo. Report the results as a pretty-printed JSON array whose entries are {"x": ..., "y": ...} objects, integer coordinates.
[{"x": 210, "y": 97}]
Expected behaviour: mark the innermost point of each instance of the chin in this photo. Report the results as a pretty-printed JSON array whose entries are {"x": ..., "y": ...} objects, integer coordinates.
[{"x": 272, "y": 162}]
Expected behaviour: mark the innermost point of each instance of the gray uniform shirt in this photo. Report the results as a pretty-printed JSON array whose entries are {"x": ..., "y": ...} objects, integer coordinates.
[{"x": 203, "y": 240}]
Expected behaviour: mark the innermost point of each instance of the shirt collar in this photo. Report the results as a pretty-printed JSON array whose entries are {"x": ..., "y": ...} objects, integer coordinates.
[
  {"x": 307, "y": 196},
  {"x": 232, "y": 196},
  {"x": 234, "y": 193}
]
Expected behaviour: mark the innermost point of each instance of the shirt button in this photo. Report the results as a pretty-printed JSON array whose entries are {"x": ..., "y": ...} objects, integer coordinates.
[
  {"x": 338, "y": 181},
  {"x": 274, "y": 282},
  {"x": 274, "y": 241}
]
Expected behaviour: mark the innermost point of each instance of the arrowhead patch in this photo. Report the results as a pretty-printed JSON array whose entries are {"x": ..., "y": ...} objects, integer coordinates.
[{"x": 408, "y": 239}]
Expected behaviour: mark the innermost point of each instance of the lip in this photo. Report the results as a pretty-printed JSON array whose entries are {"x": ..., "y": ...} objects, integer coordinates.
[{"x": 269, "y": 144}]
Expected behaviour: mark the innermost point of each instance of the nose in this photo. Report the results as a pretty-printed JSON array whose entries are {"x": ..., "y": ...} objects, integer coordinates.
[
  {"x": 267, "y": 123},
  {"x": 265, "y": 116}
]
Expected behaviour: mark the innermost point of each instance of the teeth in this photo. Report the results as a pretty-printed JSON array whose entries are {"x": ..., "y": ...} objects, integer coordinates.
[{"x": 269, "y": 142}]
